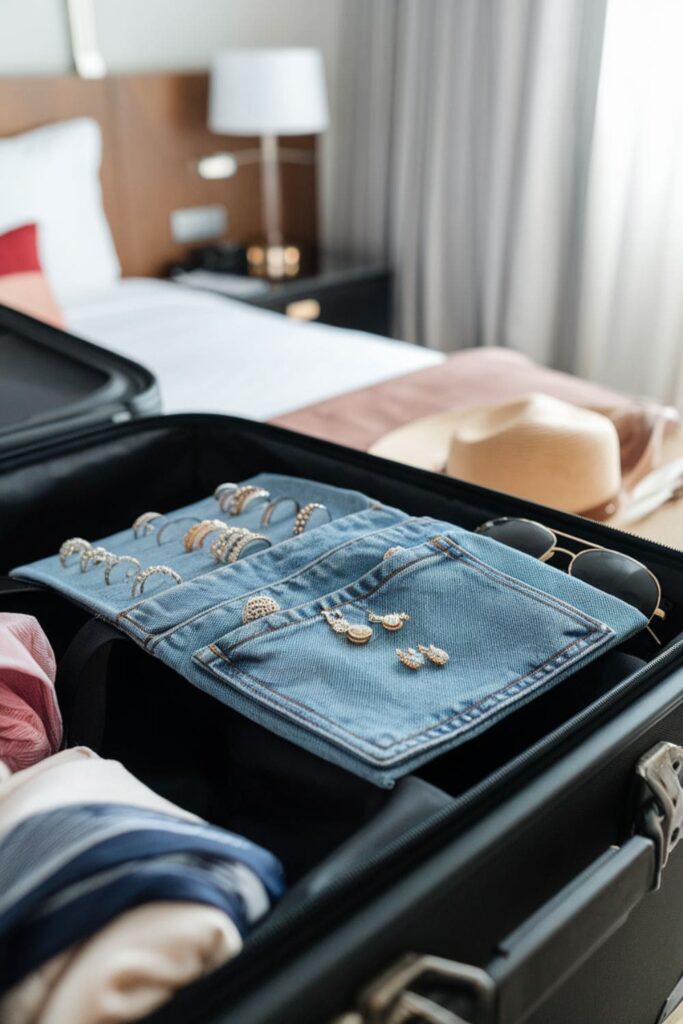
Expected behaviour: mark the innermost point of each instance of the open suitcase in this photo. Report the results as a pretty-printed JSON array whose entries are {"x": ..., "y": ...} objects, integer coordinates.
[{"x": 529, "y": 875}]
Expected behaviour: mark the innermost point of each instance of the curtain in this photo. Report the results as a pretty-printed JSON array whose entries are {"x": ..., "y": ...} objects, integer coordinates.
[
  {"x": 474, "y": 151},
  {"x": 631, "y": 316}
]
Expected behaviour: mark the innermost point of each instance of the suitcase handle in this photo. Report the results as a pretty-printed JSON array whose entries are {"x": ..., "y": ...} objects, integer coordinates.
[{"x": 535, "y": 959}]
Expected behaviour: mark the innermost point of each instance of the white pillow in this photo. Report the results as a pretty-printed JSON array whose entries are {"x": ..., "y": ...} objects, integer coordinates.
[{"x": 50, "y": 177}]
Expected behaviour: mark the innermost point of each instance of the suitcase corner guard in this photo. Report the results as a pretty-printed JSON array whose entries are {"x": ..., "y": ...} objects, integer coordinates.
[{"x": 534, "y": 960}]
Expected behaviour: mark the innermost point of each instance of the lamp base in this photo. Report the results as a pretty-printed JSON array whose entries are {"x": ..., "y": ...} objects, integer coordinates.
[{"x": 274, "y": 262}]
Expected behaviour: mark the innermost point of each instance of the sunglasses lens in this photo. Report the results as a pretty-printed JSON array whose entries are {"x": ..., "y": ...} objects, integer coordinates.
[
  {"x": 620, "y": 576},
  {"x": 531, "y": 538}
]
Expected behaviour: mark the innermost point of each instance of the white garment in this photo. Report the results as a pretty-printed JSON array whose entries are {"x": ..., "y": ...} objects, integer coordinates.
[
  {"x": 75, "y": 776},
  {"x": 127, "y": 969}
]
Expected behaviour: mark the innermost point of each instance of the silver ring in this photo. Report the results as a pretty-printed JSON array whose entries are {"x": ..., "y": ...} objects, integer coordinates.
[
  {"x": 145, "y": 523},
  {"x": 72, "y": 546},
  {"x": 224, "y": 491},
  {"x": 244, "y": 542},
  {"x": 142, "y": 577},
  {"x": 302, "y": 517},
  {"x": 268, "y": 512},
  {"x": 115, "y": 560},
  {"x": 171, "y": 522},
  {"x": 94, "y": 555}
]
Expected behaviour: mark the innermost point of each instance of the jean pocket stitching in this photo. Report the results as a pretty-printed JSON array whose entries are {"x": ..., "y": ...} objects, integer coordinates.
[
  {"x": 197, "y": 616},
  {"x": 269, "y": 697},
  {"x": 476, "y": 564},
  {"x": 329, "y": 604}
]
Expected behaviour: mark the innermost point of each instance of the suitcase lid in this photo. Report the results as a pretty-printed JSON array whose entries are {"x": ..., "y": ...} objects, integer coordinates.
[{"x": 52, "y": 383}]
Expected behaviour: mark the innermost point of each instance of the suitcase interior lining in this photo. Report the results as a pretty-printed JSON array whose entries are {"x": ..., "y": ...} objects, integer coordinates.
[{"x": 178, "y": 739}]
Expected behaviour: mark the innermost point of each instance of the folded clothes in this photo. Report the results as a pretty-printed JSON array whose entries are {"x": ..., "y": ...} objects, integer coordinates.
[
  {"x": 71, "y": 777},
  {"x": 71, "y": 869},
  {"x": 30, "y": 721},
  {"x": 127, "y": 969}
]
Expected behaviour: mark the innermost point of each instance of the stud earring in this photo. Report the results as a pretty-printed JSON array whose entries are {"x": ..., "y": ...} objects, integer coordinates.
[
  {"x": 392, "y": 621},
  {"x": 338, "y": 624},
  {"x": 436, "y": 655},
  {"x": 410, "y": 658}
]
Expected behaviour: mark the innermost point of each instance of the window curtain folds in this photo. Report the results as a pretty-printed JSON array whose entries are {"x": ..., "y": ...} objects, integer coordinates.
[{"x": 475, "y": 152}]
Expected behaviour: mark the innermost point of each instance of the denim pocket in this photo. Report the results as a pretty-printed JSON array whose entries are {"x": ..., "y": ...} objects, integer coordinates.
[{"x": 506, "y": 640}]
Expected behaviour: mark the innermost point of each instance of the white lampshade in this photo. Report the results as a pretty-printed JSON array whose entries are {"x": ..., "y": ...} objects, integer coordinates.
[{"x": 268, "y": 92}]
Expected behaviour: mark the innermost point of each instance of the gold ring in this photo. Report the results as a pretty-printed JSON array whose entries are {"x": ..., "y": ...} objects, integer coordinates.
[
  {"x": 302, "y": 517},
  {"x": 173, "y": 522},
  {"x": 142, "y": 577},
  {"x": 243, "y": 497},
  {"x": 197, "y": 534}
]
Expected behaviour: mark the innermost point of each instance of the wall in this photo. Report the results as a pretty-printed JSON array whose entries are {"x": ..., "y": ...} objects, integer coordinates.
[{"x": 146, "y": 35}]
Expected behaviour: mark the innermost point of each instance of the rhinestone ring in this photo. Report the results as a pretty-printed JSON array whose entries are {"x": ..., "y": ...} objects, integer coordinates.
[
  {"x": 222, "y": 545},
  {"x": 94, "y": 556},
  {"x": 142, "y": 577},
  {"x": 237, "y": 548},
  {"x": 145, "y": 523},
  {"x": 115, "y": 560},
  {"x": 302, "y": 517},
  {"x": 243, "y": 497},
  {"x": 72, "y": 546}
]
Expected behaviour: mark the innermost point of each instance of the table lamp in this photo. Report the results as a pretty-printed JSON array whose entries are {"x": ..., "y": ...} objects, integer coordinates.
[{"x": 270, "y": 93}]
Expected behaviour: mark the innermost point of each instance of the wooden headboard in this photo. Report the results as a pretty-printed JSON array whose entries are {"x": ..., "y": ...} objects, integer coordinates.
[{"x": 154, "y": 131}]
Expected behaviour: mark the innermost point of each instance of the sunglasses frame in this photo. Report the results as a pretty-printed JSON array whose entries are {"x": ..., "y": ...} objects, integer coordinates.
[{"x": 555, "y": 547}]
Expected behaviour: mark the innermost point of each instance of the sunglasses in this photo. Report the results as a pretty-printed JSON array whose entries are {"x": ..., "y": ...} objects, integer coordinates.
[{"x": 607, "y": 570}]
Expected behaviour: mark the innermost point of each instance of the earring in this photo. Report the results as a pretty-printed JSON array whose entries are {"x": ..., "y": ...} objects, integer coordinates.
[
  {"x": 338, "y": 624},
  {"x": 410, "y": 658},
  {"x": 392, "y": 621},
  {"x": 436, "y": 655}
]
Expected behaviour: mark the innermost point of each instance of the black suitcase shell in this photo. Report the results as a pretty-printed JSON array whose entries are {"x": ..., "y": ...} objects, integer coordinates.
[{"x": 548, "y": 889}]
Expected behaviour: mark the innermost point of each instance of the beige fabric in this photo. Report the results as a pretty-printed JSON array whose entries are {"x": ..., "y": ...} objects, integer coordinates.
[
  {"x": 665, "y": 525},
  {"x": 75, "y": 776},
  {"x": 128, "y": 969},
  {"x": 538, "y": 448}
]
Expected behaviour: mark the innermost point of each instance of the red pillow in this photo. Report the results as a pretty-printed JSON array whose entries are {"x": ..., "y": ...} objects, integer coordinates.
[{"x": 22, "y": 283}]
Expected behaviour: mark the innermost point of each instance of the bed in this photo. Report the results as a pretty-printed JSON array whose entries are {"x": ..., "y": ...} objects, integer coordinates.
[
  {"x": 99, "y": 167},
  {"x": 213, "y": 354}
]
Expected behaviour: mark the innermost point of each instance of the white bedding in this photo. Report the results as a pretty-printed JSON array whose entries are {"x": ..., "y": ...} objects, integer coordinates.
[{"x": 212, "y": 354}]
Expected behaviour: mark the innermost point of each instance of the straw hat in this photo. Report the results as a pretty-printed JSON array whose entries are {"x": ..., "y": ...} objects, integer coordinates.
[{"x": 539, "y": 448}]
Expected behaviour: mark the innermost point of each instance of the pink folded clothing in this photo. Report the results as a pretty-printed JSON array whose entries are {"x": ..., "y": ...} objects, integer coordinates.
[{"x": 30, "y": 721}]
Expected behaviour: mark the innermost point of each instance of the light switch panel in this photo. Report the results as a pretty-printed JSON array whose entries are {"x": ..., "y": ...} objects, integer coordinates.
[{"x": 199, "y": 223}]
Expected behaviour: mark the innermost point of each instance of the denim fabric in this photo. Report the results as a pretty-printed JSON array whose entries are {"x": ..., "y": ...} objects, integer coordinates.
[
  {"x": 89, "y": 589},
  {"x": 512, "y": 626}
]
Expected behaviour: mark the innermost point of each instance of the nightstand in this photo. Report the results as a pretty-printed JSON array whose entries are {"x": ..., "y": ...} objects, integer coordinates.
[{"x": 340, "y": 292}]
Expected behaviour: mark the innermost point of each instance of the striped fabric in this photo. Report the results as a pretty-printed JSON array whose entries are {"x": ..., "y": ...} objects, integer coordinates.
[{"x": 67, "y": 872}]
